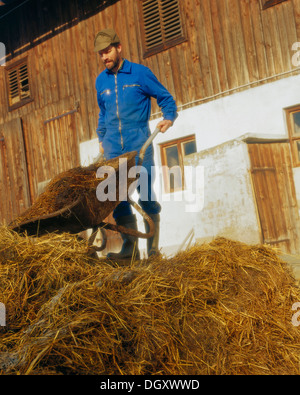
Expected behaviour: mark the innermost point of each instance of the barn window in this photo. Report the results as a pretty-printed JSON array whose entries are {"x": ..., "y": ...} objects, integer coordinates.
[
  {"x": 293, "y": 123},
  {"x": 162, "y": 25},
  {"x": 270, "y": 3},
  {"x": 172, "y": 155},
  {"x": 18, "y": 84}
]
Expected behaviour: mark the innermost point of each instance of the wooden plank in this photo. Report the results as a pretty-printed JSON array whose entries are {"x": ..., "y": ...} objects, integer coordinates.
[
  {"x": 219, "y": 45},
  {"x": 83, "y": 81},
  {"x": 249, "y": 40},
  {"x": 290, "y": 22},
  {"x": 197, "y": 67},
  {"x": 270, "y": 153},
  {"x": 120, "y": 21},
  {"x": 134, "y": 30},
  {"x": 62, "y": 142},
  {"x": 61, "y": 45},
  {"x": 179, "y": 82},
  {"x": 286, "y": 36},
  {"x": 296, "y": 12},
  {"x": 211, "y": 48},
  {"x": 238, "y": 43},
  {"x": 259, "y": 39},
  {"x": 5, "y": 190},
  {"x": 17, "y": 188},
  {"x": 169, "y": 84},
  {"x": 232, "y": 77},
  {"x": 272, "y": 32}
]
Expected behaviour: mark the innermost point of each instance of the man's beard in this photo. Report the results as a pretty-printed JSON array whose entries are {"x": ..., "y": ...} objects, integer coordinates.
[{"x": 111, "y": 66}]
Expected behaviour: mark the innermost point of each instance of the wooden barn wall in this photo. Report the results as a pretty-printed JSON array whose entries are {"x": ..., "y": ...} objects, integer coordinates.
[
  {"x": 273, "y": 182},
  {"x": 230, "y": 43}
]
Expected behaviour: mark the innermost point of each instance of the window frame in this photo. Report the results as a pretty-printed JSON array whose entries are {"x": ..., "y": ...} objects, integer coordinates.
[
  {"x": 165, "y": 44},
  {"x": 8, "y": 69},
  {"x": 293, "y": 137},
  {"x": 179, "y": 142},
  {"x": 265, "y": 4}
]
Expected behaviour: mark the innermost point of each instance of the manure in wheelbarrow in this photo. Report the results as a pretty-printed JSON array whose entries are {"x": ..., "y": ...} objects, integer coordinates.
[
  {"x": 219, "y": 308},
  {"x": 66, "y": 188}
]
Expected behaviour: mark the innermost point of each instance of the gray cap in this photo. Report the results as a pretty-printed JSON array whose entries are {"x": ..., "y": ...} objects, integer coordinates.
[{"x": 104, "y": 39}]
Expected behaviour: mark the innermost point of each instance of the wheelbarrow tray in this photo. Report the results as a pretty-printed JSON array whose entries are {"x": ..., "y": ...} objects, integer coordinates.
[{"x": 86, "y": 211}]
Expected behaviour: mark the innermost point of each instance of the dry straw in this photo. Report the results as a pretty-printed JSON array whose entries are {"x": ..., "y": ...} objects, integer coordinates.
[{"x": 218, "y": 308}]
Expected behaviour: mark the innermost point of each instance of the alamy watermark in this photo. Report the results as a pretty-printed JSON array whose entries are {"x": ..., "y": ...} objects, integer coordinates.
[
  {"x": 2, "y": 315},
  {"x": 119, "y": 184},
  {"x": 296, "y": 56},
  {"x": 2, "y": 54},
  {"x": 295, "y": 316}
]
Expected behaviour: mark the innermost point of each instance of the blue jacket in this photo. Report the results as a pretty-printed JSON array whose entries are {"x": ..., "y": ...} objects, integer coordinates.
[{"x": 124, "y": 100}]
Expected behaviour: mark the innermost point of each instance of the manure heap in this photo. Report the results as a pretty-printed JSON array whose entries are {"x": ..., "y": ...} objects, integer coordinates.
[{"x": 219, "y": 308}]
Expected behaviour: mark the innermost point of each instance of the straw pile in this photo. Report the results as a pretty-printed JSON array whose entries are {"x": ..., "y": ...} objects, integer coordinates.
[{"x": 218, "y": 308}]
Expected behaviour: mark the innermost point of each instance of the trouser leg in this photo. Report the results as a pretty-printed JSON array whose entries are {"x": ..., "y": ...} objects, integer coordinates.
[
  {"x": 150, "y": 205},
  {"x": 153, "y": 242}
]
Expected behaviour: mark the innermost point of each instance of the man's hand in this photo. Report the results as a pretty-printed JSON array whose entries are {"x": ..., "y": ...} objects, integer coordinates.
[
  {"x": 164, "y": 125},
  {"x": 101, "y": 148}
]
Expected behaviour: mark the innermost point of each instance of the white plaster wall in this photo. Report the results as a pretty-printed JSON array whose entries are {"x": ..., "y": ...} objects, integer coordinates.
[
  {"x": 218, "y": 201},
  {"x": 254, "y": 110},
  {"x": 229, "y": 208},
  {"x": 89, "y": 150}
]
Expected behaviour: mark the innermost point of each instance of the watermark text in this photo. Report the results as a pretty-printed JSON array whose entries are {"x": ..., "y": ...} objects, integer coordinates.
[
  {"x": 2, "y": 315},
  {"x": 174, "y": 184},
  {"x": 296, "y": 56},
  {"x": 2, "y": 54}
]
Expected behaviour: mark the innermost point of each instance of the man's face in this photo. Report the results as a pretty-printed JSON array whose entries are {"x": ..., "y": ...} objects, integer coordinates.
[{"x": 111, "y": 57}]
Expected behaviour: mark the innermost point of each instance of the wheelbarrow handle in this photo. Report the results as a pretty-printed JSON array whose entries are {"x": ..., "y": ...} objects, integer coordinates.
[
  {"x": 146, "y": 145},
  {"x": 100, "y": 156}
]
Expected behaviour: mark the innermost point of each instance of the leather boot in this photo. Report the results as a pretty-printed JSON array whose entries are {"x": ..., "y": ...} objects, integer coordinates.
[
  {"x": 153, "y": 242},
  {"x": 129, "y": 248}
]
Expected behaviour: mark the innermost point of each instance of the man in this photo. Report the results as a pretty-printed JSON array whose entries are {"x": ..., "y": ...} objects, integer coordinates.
[{"x": 124, "y": 91}]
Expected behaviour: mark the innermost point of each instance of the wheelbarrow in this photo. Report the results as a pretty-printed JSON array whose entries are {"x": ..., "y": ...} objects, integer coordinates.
[{"x": 87, "y": 211}]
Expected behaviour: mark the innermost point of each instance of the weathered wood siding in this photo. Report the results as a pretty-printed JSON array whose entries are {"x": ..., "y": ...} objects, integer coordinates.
[
  {"x": 230, "y": 43},
  {"x": 273, "y": 182},
  {"x": 14, "y": 185}
]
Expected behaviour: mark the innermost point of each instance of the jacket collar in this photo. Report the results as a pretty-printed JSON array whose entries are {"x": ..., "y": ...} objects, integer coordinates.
[{"x": 125, "y": 68}]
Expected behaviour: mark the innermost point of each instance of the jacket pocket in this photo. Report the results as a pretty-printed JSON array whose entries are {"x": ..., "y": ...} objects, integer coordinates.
[
  {"x": 130, "y": 86},
  {"x": 107, "y": 91},
  {"x": 131, "y": 93}
]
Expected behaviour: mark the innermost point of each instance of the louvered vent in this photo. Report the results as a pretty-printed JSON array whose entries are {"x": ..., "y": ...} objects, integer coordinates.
[
  {"x": 152, "y": 23},
  {"x": 18, "y": 84},
  {"x": 162, "y": 24},
  {"x": 171, "y": 19}
]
